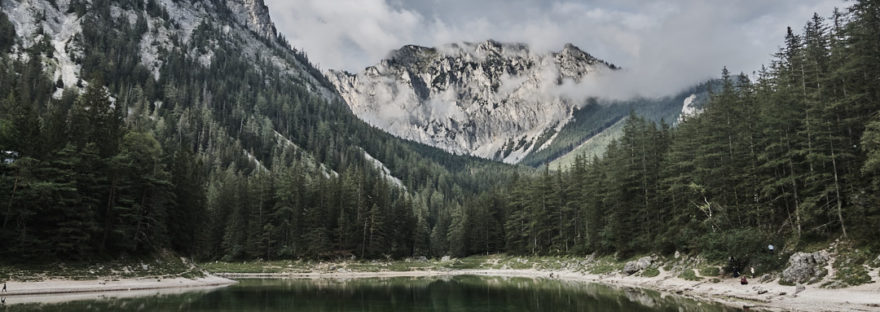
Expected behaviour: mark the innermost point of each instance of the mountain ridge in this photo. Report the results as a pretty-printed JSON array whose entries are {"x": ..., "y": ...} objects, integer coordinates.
[
  {"x": 494, "y": 100},
  {"x": 469, "y": 98}
]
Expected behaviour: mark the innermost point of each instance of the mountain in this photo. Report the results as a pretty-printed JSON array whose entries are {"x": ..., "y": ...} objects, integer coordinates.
[
  {"x": 131, "y": 126},
  {"x": 493, "y": 100}
]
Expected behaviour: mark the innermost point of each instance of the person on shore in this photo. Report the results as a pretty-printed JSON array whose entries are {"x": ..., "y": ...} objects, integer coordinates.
[{"x": 743, "y": 281}]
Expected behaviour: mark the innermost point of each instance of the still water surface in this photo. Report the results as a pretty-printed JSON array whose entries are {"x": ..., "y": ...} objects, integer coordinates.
[{"x": 459, "y": 293}]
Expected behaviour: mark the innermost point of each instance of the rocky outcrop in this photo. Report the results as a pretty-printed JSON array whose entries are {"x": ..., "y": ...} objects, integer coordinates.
[
  {"x": 806, "y": 267},
  {"x": 492, "y": 100},
  {"x": 254, "y": 14},
  {"x": 635, "y": 266}
]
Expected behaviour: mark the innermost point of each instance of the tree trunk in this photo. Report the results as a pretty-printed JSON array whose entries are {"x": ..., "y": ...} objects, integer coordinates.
[
  {"x": 11, "y": 200},
  {"x": 837, "y": 190}
]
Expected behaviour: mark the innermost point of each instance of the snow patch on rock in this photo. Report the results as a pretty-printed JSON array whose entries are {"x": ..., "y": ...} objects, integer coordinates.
[
  {"x": 288, "y": 144},
  {"x": 386, "y": 173},
  {"x": 689, "y": 109},
  {"x": 253, "y": 159}
]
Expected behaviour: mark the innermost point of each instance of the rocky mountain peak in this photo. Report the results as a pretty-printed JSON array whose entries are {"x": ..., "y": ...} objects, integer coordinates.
[{"x": 488, "y": 99}]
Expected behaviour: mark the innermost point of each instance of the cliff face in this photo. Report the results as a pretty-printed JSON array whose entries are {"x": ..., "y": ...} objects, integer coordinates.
[
  {"x": 245, "y": 23},
  {"x": 253, "y": 14},
  {"x": 492, "y": 100}
]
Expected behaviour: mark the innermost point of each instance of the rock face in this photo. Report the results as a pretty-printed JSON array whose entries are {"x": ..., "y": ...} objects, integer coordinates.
[
  {"x": 634, "y": 266},
  {"x": 806, "y": 267},
  {"x": 492, "y": 100},
  {"x": 255, "y": 15},
  {"x": 243, "y": 22}
]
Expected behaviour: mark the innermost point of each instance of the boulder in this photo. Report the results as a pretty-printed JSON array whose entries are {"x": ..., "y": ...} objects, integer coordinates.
[
  {"x": 634, "y": 266},
  {"x": 805, "y": 267},
  {"x": 445, "y": 259},
  {"x": 630, "y": 268}
]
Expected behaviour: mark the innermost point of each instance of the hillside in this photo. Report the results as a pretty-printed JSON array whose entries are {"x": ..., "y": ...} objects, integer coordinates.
[{"x": 134, "y": 126}]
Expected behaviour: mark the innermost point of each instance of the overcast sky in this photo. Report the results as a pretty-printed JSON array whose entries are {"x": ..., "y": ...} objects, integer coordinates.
[{"x": 663, "y": 45}]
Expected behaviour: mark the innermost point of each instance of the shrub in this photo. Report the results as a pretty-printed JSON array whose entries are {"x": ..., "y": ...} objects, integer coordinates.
[
  {"x": 651, "y": 272},
  {"x": 689, "y": 275}
]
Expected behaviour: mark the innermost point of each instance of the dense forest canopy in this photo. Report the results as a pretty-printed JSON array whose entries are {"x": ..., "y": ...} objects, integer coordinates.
[
  {"x": 236, "y": 160},
  {"x": 786, "y": 159}
]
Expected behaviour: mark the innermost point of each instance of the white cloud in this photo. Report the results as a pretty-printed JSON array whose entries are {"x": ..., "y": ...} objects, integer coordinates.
[{"x": 663, "y": 45}]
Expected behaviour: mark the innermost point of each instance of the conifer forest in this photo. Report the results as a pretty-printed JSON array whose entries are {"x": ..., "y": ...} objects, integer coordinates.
[{"x": 238, "y": 160}]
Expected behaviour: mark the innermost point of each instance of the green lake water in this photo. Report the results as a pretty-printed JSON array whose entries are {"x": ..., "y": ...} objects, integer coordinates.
[{"x": 459, "y": 293}]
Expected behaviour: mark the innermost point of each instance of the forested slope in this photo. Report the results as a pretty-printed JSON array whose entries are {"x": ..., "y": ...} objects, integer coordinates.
[
  {"x": 788, "y": 158},
  {"x": 183, "y": 129}
]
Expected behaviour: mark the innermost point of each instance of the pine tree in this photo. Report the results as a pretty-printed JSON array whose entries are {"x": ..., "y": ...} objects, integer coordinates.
[{"x": 185, "y": 220}]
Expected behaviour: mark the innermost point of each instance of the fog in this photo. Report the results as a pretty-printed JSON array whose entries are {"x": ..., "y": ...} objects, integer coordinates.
[{"x": 662, "y": 46}]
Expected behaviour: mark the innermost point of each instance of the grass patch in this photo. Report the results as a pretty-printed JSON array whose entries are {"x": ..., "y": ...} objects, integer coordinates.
[
  {"x": 688, "y": 274},
  {"x": 651, "y": 272},
  {"x": 850, "y": 267},
  {"x": 710, "y": 271},
  {"x": 464, "y": 264},
  {"x": 852, "y": 275},
  {"x": 279, "y": 266},
  {"x": 164, "y": 265},
  {"x": 606, "y": 265}
]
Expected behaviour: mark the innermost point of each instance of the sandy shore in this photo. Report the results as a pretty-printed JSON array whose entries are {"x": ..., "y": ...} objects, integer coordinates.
[
  {"x": 53, "y": 291},
  {"x": 759, "y": 296}
]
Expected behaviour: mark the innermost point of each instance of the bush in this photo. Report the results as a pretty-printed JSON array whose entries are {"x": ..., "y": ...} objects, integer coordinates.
[
  {"x": 742, "y": 243},
  {"x": 689, "y": 275},
  {"x": 747, "y": 246}
]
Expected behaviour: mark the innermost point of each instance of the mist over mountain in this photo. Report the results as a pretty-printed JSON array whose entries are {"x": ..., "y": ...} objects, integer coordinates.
[{"x": 499, "y": 101}]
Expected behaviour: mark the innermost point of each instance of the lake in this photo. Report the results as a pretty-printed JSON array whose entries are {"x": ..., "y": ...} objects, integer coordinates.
[{"x": 457, "y": 293}]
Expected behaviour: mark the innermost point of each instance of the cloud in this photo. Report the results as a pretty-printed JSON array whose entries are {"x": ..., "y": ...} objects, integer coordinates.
[{"x": 664, "y": 46}]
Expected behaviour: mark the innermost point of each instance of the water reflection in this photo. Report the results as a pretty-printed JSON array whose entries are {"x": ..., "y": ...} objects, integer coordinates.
[{"x": 458, "y": 293}]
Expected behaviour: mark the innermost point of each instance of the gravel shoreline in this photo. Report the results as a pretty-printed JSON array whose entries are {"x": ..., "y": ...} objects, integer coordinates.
[
  {"x": 39, "y": 291},
  {"x": 758, "y": 296}
]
